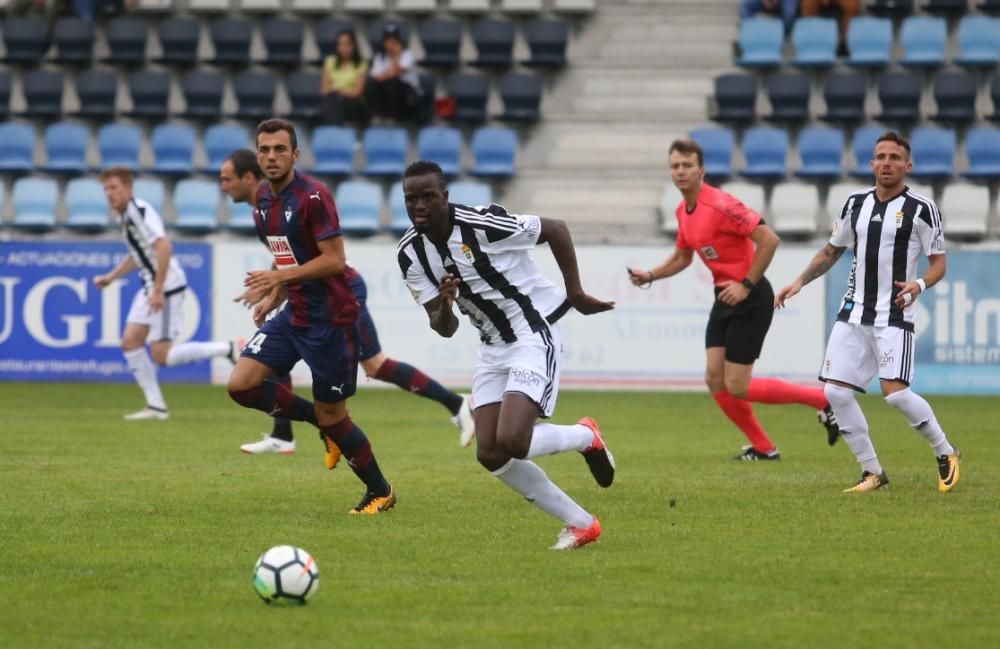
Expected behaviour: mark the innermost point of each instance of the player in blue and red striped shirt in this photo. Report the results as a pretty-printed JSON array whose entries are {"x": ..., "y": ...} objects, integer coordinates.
[{"x": 297, "y": 219}]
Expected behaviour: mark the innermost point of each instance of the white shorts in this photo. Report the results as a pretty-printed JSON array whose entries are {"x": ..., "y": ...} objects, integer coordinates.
[
  {"x": 166, "y": 323},
  {"x": 530, "y": 366},
  {"x": 857, "y": 353}
]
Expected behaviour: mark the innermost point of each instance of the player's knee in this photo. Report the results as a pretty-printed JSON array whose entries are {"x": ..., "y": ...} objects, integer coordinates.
[
  {"x": 245, "y": 396},
  {"x": 372, "y": 365},
  {"x": 737, "y": 387},
  {"x": 490, "y": 457},
  {"x": 714, "y": 381},
  {"x": 160, "y": 355},
  {"x": 838, "y": 395},
  {"x": 515, "y": 446}
]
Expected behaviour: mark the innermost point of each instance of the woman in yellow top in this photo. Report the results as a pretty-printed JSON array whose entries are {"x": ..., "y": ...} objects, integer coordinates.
[{"x": 343, "y": 83}]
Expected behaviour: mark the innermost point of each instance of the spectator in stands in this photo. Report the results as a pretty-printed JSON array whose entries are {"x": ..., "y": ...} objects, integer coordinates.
[
  {"x": 842, "y": 10},
  {"x": 784, "y": 9},
  {"x": 343, "y": 83},
  {"x": 393, "y": 88}
]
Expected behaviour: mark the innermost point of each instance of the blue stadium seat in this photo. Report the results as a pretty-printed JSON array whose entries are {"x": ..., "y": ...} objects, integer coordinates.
[
  {"x": 34, "y": 203},
  {"x": 25, "y": 39},
  {"x": 845, "y": 97},
  {"x": 470, "y": 92},
  {"x": 869, "y": 41},
  {"x": 66, "y": 148},
  {"x": 815, "y": 42},
  {"x": 547, "y": 40},
  {"x": 441, "y": 39},
  {"x": 178, "y": 41},
  {"x": 173, "y": 149},
  {"x": 203, "y": 91},
  {"x": 97, "y": 90},
  {"x": 17, "y": 147},
  {"x": 955, "y": 94},
  {"x": 231, "y": 40},
  {"x": 468, "y": 192},
  {"x": 126, "y": 37},
  {"x": 283, "y": 40},
  {"x": 978, "y": 41},
  {"x": 43, "y": 91},
  {"x": 74, "y": 41},
  {"x": 522, "y": 97},
  {"x": 86, "y": 205},
  {"x": 333, "y": 151},
  {"x": 150, "y": 190},
  {"x": 326, "y": 32},
  {"x": 821, "y": 149},
  {"x": 924, "y": 39},
  {"x": 443, "y": 145},
  {"x": 220, "y": 141},
  {"x": 385, "y": 151},
  {"x": 150, "y": 91},
  {"x": 789, "y": 97},
  {"x": 933, "y": 152},
  {"x": 494, "y": 150},
  {"x": 359, "y": 204},
  {"x": 863, "y": 148},
  {"x": 240, "y": 217},
  {"x": 982, "y": 148},
  {"x": 196, "y": 205},
  {"x": 254, "y": 95},
  {"x": 399, "y": 220},
  {"x": 765, "y": 150},
  {"x": 303, "y": 95},
  {"x": 761, "y": 41},
  {"x": 735, "y": 98},
  {"x": 717, "y": 145},
  {"x": 494, "y": 39},
  {"x": 899, "y": 94},
  {"x": 119, "y": 146}
]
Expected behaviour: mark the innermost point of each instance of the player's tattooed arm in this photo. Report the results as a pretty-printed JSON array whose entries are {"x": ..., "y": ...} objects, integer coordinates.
[{"x": 822, "y": 262}]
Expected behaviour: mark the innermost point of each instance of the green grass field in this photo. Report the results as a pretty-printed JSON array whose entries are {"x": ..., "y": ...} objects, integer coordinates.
[{"x": 144, "y": 535}]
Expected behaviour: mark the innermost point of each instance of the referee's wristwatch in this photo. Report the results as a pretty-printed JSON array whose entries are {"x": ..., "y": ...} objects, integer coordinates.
[{"x": 746, "y": 282}]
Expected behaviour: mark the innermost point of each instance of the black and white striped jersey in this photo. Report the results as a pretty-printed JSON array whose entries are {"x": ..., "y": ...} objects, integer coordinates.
[
  {"x": 502, "y": 291},
  {"x": 887, "y": 239},
  {"x": 141, "y": 226}
]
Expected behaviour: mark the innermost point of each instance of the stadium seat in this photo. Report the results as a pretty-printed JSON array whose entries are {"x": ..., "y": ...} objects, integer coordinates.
[
  {"x": 443, "y": 145},
  {"x": 220, "y": 141},
  {"x": 978, "y": 41},
  {"x": 794, "y": 209},
  {"x": 303, "y": 95},
  {"x": 995, "y": 97},
  {"x": 240, "y": 217},
  {"x": 669, "y": 200},
  {"x": 326, "y": 32},
  {"x": 325, "y": 7},
  {"x": 119, "y": 146},
  {"x": 283, "y": 40},
  {"x": 178, "y": 41},
  {"x": 836, "y": 198},
  {"x": 203, "y": 91},
  {"x": 399, "y": 220},
  {"x": 43, "y": 91},
  {"x": 735, "y": 98},
  {"x": 520, "y": 6},
  {"x": 982, "y": 148},
  {"x": 469, "y": 192},
  {"x": 522, "y": 97},
  {"x": 955, "y": 94},
  {"x": 260, "y": 6},
  {"x": 814, "y": 41},
  {"x": 845, "y": 97},
  {"x": 97, "y": 90},
  {"x": 923, "y": 39},
  {"x": 150, "y": 91},
  {"x": 575, "y": 6},
  {"x": 494, "y": 150},
  {"x": 196, "y": 205},
  {"x": 899, "y": 94},
  {"x": 66, "y": 148},
  {"x": 74, "y": 41},
  {"x": 761, "y": 41},
  {"x": 765, "y": 150},
  {"x": 127, "y": 37},
  {"x": 751, "y": 194},
  {"x": 933, "y": 152},
  {"x": 441, "y": 39},
  {"x": 34, "y": 203},
  {"x": 254, "y": 95},
  {"x": 359, "y": 205},
  {"x": 4, "y": 93},
  {"x": 468, "y": 6},
  {"x": 989, "y": 6},
  {"x": 208, "y": 6},
  {"x": 424, "y": 111},
  {"x": 717, "y": 145},
  {"x": 966, "y": 208},
  {"x": 25, "y": 39},
  {"x": 470, "y": 92},
  {"x": 895, "y": 8},
  {"x": 416, "y": 6},
  {"x": 385, "y": 151},
  {"x": 494, "y": 39},
  {"x": 821, "y": 149},
  {"x": 333, "y": 151},
  {"x": 231, "y": 40},
  {"x": 86, "y": 206},
  {"x": 863, "y": 148},
  {"x": 150, "y": 190},
  {"x": 364, "y": 6},
  {"x": 17, "y": 147},
  {"x": 789, "y": 96},
  {"x": 173, "y": 149},
  {"x": 945, "y": 6},
  {"x": 869, "y": 41},
  {"x": 547, "y": 40}
]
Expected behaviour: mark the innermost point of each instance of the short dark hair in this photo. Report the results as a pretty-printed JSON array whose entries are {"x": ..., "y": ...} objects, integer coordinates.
[
  {"x": 687, "y": 146},
  {"x": 123, "y": 174},
  {"x": 274, "y": 125},
  {"x": 423, "y": 168},
  {"x": 244, "y": 161},
  {"x": 893, "y": 136}
]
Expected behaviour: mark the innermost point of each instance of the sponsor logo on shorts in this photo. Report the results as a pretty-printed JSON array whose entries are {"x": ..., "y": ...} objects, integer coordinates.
[
  {"x": 526, "y": 378},
  {"x": 887, "y": 359}
]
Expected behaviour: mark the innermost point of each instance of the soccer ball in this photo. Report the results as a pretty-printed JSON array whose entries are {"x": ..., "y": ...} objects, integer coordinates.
[{"x": 286, "y": 575}]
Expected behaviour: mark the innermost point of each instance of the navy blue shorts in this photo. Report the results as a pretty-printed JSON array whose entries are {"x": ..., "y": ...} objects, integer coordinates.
[
  {"x": 368, "y": 345},
  {"x": 331, "y": 352}
]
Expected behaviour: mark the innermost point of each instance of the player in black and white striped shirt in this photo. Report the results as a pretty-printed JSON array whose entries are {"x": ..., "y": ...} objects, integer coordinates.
[
  {"x": 888, "y": 227},
  {"x": 478, "y": 257}
]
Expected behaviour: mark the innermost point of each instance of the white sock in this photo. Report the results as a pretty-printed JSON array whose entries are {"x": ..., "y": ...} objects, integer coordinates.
[
  {"x": 548, "y": 439},
  {"x": 528, "y": 479},
  {"x": 853, "y": 426},
  {"x": 190, "y": 352},
  {"x": 920, "y": 415},
  {"x": 142, "y": 367}
]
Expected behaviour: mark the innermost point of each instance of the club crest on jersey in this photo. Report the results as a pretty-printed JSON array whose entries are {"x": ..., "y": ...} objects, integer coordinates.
[
  {"x": 288, "y": 213},
  {"x": 708, "y": 252},
  {"x": 281, "y": 250},
  {"x": 899, "y": 218},
  {"x": 467, "y": 251}
]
